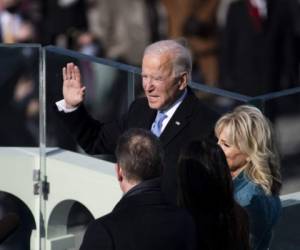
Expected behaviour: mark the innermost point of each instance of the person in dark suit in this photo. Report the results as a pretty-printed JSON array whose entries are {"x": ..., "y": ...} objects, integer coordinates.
[
  {"x": 142, "y": 219},
  {"x": 166, "y": 71},
  {"x": 257, "y": 56}
]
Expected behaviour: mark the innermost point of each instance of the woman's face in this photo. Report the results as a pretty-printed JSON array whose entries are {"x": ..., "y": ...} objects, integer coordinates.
[{"x": 235, "y": 158}]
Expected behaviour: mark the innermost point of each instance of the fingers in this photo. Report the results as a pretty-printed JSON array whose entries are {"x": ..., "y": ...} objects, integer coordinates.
[
  {"x": 77, "y": 74},
  {"x": 64, "y": 73},
  {"x": 67, "y": 71},
  {"x": 71, "y": 72}
]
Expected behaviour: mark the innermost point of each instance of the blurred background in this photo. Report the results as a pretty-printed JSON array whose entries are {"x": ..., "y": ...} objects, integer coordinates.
[
  {"x": 235, "y": 43},
  {"x": 249, "y": 47}
]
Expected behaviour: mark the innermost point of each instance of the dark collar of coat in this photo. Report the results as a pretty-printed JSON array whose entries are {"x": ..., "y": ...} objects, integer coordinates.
[{"x": 145, "y": 193}]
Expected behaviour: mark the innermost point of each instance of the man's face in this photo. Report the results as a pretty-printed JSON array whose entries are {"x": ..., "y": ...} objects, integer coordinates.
[{"x": 161, "y": 86}]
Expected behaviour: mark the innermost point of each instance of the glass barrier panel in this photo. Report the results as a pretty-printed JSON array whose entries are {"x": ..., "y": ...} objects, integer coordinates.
[
  {"x": 19, "y": 146},
  {"x": 109, "y": 90},
  {"x": 218, "y": 99}
]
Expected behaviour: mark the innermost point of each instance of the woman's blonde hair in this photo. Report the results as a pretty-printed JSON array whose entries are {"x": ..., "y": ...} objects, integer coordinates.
[{"x": 251, "y": 132}]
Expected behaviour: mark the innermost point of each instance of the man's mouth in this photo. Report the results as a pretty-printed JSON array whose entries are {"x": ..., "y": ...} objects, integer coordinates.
[{"x": 152, "y": 97}]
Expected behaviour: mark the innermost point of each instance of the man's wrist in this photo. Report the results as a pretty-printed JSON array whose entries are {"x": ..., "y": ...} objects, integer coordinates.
[{"x": 63, "y": 107}]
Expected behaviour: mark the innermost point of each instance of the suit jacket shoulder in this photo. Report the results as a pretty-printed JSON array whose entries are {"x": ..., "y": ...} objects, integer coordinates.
[
  {"x": 144, "y": 220},
  {"x": 97, "y": 236}
]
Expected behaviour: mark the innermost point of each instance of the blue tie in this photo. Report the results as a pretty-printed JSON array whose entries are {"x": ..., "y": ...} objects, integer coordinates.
[{"x": 157, "y": 124}]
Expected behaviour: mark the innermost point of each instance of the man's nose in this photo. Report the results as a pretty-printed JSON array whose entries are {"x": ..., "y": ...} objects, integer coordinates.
[{"x": 148, "y": 85}]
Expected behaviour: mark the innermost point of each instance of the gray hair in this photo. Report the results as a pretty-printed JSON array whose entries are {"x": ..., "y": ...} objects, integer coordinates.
[{"x": 181, "y": 55}]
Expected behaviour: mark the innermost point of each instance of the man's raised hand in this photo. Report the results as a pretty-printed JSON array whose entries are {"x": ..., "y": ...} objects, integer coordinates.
[{"x": 73, "y": 89}]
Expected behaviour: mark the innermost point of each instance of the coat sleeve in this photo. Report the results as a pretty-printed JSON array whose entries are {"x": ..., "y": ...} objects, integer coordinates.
[
  {"x": 97, "y": 237},
  {"x": 95, "y": 137}
]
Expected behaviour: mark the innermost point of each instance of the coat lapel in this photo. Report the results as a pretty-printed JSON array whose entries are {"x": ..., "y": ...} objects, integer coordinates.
[{"x": 179, "y": 120}]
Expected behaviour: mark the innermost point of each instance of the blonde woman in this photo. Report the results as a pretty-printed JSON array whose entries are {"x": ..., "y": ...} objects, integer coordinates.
[{"x": 246, "y": 137}]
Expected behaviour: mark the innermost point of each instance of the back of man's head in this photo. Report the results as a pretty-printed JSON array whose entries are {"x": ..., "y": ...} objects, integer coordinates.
[{"x": 139, "y": 155}]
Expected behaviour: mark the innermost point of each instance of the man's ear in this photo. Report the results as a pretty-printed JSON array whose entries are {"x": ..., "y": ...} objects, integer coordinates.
[
  {"x": 119, "y": 172},
  {"x": 183, "y": 80}
]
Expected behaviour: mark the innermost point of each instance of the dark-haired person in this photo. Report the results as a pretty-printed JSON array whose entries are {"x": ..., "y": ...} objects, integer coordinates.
[
  {"x": 166, "y": 72},
  {"x": 205, "y": 188},
  {"x": 142, "y": 219},
  {"x": 246, "y": 138}
]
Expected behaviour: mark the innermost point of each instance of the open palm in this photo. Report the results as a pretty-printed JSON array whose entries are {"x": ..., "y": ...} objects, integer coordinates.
[{"x": 73, "y": 89}]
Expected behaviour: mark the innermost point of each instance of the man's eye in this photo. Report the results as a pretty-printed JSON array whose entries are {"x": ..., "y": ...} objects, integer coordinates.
[{"x": 157, "y": 78}]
